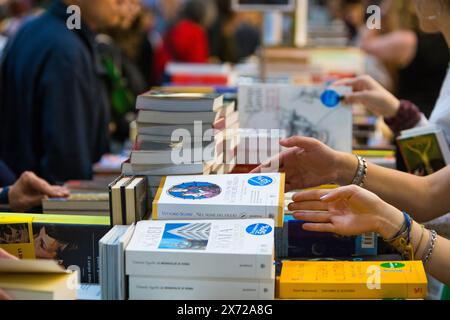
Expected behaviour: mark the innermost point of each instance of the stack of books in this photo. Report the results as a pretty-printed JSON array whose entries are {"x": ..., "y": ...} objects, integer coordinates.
[
  {"x": 81, "y": 204},
  {"x": 204, "y": 259},
  {"x": 129, "y": 200},
  {"x": 179, "y": 134},
  {"x": 112, "y": 262}
]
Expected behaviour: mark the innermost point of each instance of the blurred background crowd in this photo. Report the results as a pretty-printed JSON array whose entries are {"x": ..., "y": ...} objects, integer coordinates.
[{"x": 136, "y": 40}]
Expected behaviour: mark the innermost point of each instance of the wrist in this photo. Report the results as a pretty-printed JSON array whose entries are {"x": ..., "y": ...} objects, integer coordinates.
[
  {"x": 392, "y": 109},
  {"x": 390, "y": 222},
  {"x": 347, "y": 164}
]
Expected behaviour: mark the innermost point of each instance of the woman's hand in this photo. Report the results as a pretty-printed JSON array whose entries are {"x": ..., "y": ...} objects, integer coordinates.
[
  {"x": 310, "y": 163},
  {"x": 346, "y": 211},
  {"x": 372, "y": 95}
]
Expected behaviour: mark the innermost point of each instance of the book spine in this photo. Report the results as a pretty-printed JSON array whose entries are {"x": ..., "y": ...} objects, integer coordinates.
[
  {"x": 198, "y": 265},
  {"x": 144, "y": 288},
  {"x": 183, "y": 79}
]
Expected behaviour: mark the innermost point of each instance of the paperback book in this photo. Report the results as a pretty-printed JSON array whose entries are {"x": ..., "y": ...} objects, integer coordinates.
[
  {"x": 236, "y": 249},
  {"x": 232, "y": 196},
  {"x": 70, "y": 240},
  {"x": 165, "y": 288},
  {"x": 311, "y": 111},
  {"x": 37, "y": 280},
  {"x": 353, "y": 280},
  {"x": 424, "y": 150}
]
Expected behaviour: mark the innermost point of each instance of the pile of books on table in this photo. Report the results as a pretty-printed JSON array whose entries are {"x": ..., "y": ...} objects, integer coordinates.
[
  {"x": 179, "y": 134},
  {"x": 203, "y": 259}
]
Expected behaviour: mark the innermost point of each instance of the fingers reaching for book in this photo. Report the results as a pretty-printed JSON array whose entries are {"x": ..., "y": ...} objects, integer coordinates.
[
  {"x": 316, "y": 217},
  {"x": 320, "y": 227},
  {"x": 308, "y": 206},
  {"x": 29, "y": 191}
]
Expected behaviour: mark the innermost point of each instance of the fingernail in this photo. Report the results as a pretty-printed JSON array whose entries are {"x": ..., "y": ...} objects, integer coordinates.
[{"x": 324, "y": 197}]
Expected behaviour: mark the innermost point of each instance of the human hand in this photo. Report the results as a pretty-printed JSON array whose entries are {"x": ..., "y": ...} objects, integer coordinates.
[
  {"x": 5, "y": 255},
  {"x": 347, "y": 211},
  {"x": 29, "y": 191},
  {"x": 371, "y": 94},
  {"x": 310, "y": 163}
]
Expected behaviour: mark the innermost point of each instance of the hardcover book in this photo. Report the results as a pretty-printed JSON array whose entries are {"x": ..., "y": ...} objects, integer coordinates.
[
  {"x": 230, "y": 196},
  {"x": 238, "y": 249}
]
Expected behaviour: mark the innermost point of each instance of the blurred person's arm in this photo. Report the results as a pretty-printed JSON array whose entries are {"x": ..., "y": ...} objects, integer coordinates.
[
  {"x": 398, "y": 114},
  {"x": 353, "y": 211},
  {"x": 310, "y": 163},
  {"x": 396, "y": 48}
]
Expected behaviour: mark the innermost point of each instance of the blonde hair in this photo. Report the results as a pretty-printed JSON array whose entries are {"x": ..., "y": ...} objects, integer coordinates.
[{"x": 402, "y": 15}]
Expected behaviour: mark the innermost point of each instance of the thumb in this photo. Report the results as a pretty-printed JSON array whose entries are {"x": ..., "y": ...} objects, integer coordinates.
[
  {"x": 300, "y": 142},
  {"x": 342, "y": 193}
]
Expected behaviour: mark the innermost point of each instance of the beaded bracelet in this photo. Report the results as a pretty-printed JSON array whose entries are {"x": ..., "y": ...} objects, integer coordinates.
[{"x": 402, "y": 240}]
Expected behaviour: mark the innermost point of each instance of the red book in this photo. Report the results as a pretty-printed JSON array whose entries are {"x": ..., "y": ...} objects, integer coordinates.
[{"x": 211, "y": 80}]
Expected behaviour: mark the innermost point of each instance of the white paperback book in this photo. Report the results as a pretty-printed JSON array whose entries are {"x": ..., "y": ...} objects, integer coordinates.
[
  {"x": 236, "y": 249},
  {"x": 159, "y": 288},
  {"x": 298, "y": 110},
  {"x": 232, "y": 196}
]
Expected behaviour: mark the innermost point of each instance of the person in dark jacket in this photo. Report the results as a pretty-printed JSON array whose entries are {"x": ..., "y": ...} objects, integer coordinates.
[{"x": 53, "y": 104}]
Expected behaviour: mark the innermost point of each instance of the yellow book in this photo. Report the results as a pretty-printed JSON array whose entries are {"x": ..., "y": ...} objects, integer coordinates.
[
  {"x": 16, "y": 235},
  {"x": 37, "y": 280},
  {"x": 70, "y": 240},
  {"x": 353, "y": 280}
]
